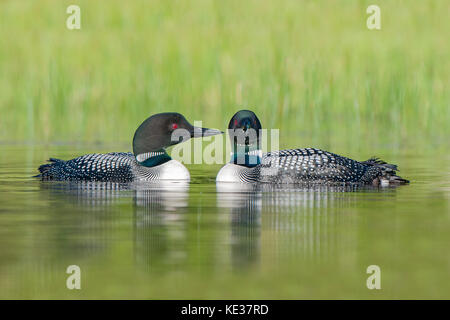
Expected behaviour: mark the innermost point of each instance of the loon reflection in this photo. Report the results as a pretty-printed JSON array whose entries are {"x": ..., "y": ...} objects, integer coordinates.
[
  {"x": 160, "y": 225},
  {"x": 244, "y": 202},
  {"x": 273, "y": 216},
  {"x": 262, "y": 223},
  {"x": 162, "y": 195},
  {"x": 156, "y": 211}
]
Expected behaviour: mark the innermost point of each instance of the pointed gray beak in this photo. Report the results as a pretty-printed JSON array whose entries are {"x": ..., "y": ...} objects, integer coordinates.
[{"x": 204, "y": 132}]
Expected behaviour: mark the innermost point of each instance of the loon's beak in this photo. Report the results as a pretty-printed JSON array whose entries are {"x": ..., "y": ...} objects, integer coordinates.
[{"x": 204, "y": 132}]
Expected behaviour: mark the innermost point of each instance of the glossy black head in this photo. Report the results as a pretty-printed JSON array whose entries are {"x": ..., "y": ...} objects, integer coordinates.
[
  {"x": 244, "y": 129},
  {"x": 164, "y": 130}
]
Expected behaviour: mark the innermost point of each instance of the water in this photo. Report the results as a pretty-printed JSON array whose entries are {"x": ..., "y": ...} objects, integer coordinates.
[{"x": 200, "y": 240}]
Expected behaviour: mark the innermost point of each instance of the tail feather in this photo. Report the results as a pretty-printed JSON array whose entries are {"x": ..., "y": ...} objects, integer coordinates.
[{"x": 45, "y": 169}]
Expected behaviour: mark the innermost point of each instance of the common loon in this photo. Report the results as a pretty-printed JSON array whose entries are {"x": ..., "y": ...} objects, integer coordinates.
[
  {"x": 148, "y": 162},
  {"x": 304, "y": 166}
]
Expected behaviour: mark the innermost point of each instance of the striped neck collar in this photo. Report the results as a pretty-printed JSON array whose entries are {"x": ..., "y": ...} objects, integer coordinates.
[
  {"x": 153, "y": 158},
  {"x": 248, "y": 159}
]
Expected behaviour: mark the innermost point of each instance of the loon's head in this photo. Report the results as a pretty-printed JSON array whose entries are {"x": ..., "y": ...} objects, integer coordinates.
[
  {"x": 163, "y": 130},
  {"x": 244, "y": 131}
]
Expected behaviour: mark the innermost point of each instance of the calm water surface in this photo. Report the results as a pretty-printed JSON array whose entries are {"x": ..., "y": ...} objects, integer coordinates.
[{"x": 202, "y": 240}]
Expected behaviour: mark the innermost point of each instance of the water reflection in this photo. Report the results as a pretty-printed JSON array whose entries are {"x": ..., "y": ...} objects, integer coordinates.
[
  {"x": 159, "y": 224},
  {"x": 292, "y": 222},
  {"x": 280, "y": 241},
  {"x": 89, "y": 195},
  {"x": 81, "y": 217},
  {"x": 244, "y": 203},
  {"x": 264, "y": 224}
]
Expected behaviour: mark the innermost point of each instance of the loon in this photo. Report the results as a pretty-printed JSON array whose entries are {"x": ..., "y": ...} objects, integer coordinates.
[
  {"x": 148, "y": 162},
  {"x": 299, "y": 166}
]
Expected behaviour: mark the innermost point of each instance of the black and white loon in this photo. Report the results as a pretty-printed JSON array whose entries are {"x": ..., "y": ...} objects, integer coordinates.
[
  {"x": 248, "y": 164},
  {"x": 148, "y": 162}
]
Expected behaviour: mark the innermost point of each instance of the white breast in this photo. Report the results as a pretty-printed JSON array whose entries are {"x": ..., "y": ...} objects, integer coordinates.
[
  {"x": 229, "y": 173},
  {"x": 174, "y": 170},
  {"x": 170, "y": 170}
]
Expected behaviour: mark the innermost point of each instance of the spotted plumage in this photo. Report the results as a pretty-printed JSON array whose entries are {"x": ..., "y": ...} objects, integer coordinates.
[
  {"x": 148, "y": 162},
  {"x": 308, "y": 165},
  {"x": 311, "y": 165},
  {"x": 115, "y": 166}
]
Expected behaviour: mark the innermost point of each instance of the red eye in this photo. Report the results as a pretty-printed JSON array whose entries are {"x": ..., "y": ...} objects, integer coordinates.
[{"x": 174, "y": 126}]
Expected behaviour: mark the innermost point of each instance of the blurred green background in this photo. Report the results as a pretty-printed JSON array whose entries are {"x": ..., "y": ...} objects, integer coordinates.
[{"x": 310, "y": 68}]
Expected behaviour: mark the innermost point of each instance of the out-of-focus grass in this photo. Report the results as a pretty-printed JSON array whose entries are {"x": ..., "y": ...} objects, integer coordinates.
[{"x": 311, "y": 68}]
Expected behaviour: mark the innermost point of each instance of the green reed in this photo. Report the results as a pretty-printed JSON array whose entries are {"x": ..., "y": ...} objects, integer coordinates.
[{"x": 310, "y": 68}]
